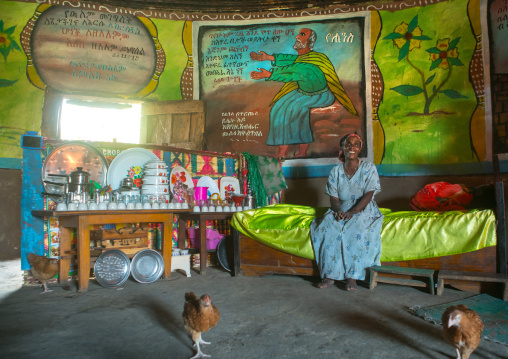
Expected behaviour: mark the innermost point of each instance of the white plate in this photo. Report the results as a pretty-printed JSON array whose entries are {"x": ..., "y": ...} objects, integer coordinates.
[
  {"x": 129, "y": 163},
  {"x": 206, "y": 181},
  {"x": 179, "y": 171},
  {"x": 229, "y": 186}
]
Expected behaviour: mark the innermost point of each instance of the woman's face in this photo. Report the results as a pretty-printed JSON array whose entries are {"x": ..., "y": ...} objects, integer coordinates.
[{"x": 352, "y": 147}]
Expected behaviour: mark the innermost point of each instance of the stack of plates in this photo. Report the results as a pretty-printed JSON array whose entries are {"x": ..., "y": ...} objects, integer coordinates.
[{"x": 156, "y": 181}]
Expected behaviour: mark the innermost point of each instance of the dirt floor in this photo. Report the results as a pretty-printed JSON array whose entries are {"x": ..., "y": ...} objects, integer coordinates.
[{"x": 261, "y": 317}]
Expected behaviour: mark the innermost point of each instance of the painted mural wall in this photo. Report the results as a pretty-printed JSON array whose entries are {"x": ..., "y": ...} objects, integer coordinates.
[
  {"x": 433, "y": 107},
  {"x": 429, "y": 107},
  {"x": 63, "y": 52},
  {"x": 292, "y": 106}
]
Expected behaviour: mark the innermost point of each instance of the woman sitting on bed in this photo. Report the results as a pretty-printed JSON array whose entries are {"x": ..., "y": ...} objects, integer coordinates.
[{"x": 347, "y": 240}]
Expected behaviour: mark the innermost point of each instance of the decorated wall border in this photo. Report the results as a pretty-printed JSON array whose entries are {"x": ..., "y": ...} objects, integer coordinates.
[{"x": 179, "y": 15}]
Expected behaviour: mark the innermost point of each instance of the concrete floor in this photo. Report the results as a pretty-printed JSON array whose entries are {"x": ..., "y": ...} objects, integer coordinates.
[{"x": 261, "y": 317}]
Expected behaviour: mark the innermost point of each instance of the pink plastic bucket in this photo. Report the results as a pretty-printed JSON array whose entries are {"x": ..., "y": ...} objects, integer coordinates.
[{"x": 200, "y": 193}]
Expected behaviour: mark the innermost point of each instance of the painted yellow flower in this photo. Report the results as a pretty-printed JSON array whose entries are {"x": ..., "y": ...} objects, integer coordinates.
[
  {"x": 4, "y": 40},
  {"x": 7, "y": 42},
  {"x": 407, "y": 36},
  {"x": 445, "y": 54}
]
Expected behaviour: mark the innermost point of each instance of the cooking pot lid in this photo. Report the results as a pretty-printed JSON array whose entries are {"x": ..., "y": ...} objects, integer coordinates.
[{"x": 79, "y": 171}]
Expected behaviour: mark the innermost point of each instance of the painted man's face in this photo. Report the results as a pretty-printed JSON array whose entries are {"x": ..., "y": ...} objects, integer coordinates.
[{"x": 301, "y": 39}]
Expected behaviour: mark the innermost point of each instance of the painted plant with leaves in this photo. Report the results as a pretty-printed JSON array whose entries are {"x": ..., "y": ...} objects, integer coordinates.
[
  {"x": 7, "y": 43},
  {"x": 445, "y": 55}
]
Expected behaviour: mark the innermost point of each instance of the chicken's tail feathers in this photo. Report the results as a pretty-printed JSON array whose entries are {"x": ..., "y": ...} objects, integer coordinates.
[{"x": 190, "y": 296}]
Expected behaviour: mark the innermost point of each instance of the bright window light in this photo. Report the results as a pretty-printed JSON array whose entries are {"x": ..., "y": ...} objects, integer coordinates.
[{"x": 86, "y": 120}]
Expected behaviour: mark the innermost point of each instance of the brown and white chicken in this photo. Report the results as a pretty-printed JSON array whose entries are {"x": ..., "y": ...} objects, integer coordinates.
[
  {"x": 199, "y": 316},
  {"x": 43, "y": 268},
  {"x": 462, "y": 328}
]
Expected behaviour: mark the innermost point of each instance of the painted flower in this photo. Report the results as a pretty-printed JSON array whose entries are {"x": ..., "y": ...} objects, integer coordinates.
[
  {"x": 407, "y": 37},
  {"x": 7, "y": 42},
  {"x": 444, "y": 54},
  {"x": 178, "y": 176},
  {"x": 138, "y": 182}
]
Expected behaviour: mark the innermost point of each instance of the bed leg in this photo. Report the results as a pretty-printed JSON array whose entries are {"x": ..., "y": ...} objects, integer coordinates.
[
  {"x": 236, "y": 252},
  {"x": 440, "y": 286}
]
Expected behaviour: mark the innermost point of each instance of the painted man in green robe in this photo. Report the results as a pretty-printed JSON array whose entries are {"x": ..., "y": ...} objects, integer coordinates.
[{"x": 311, "y": 82}]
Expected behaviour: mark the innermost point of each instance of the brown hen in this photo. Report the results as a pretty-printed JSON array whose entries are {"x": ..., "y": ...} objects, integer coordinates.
[
  {"x": 462, "y": 328},
  {"x": 199, "y": 316},
  {"x": 43, "y": 268}
]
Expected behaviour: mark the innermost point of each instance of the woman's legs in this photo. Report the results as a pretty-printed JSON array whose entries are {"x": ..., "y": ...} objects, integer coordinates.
[
  {"x": 325, "y": 283},
  {"x": 351, "y": 284}
]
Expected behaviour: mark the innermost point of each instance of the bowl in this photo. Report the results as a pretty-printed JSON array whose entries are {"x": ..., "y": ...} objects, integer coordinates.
[
  {"x": 155, "y": 172},
  {"x": 155, "y": 180},
  {"x": 147, "y": 266},
  {"x": 156, "y": 164},
  {"x": 155, "y": 189}
]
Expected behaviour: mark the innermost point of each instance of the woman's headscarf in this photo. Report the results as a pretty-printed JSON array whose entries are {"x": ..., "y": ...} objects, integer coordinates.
[{"x": 343, "y": 140}]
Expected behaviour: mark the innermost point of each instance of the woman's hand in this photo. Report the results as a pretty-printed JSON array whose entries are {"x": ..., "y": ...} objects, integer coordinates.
[
  {"x": 343, "y": 215},
  {"x": 346, "y": 215}
]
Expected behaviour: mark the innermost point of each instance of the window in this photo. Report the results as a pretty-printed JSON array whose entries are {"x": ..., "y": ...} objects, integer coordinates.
[{"x": 88, "y": 119}]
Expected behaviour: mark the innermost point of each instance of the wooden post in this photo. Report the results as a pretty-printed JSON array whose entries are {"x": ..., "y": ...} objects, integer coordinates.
[
  {"x": 501, "y": 228},
  {"x": 236, "y": 251}
]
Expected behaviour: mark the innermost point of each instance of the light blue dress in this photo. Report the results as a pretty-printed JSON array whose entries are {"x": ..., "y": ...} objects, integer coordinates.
[{"x": 344, "y": 249}]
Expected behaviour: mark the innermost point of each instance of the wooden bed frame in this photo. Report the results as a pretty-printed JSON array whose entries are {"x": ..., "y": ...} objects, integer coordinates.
[{"x": 253, "y": 258}]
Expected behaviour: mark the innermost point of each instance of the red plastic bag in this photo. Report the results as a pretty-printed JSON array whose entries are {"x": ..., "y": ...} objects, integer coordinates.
[{"x": 441, "y": 196}]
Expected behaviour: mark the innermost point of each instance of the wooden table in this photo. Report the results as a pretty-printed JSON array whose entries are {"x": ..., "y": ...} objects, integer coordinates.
[
  {"x": 202, "y": 217},
  {"x": 81, "y": 220}
]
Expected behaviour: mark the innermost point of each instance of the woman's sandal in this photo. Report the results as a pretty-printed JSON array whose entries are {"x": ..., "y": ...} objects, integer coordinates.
[{"x": 325, "y": 283}]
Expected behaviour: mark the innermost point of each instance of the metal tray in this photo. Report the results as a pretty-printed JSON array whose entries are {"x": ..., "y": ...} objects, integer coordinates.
[
  {"x": 112, "y": 268},
  {"x": 65, "y": 159},
  {"x": 225, "y": 253},
  {"x": 147, "y": 266}
]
